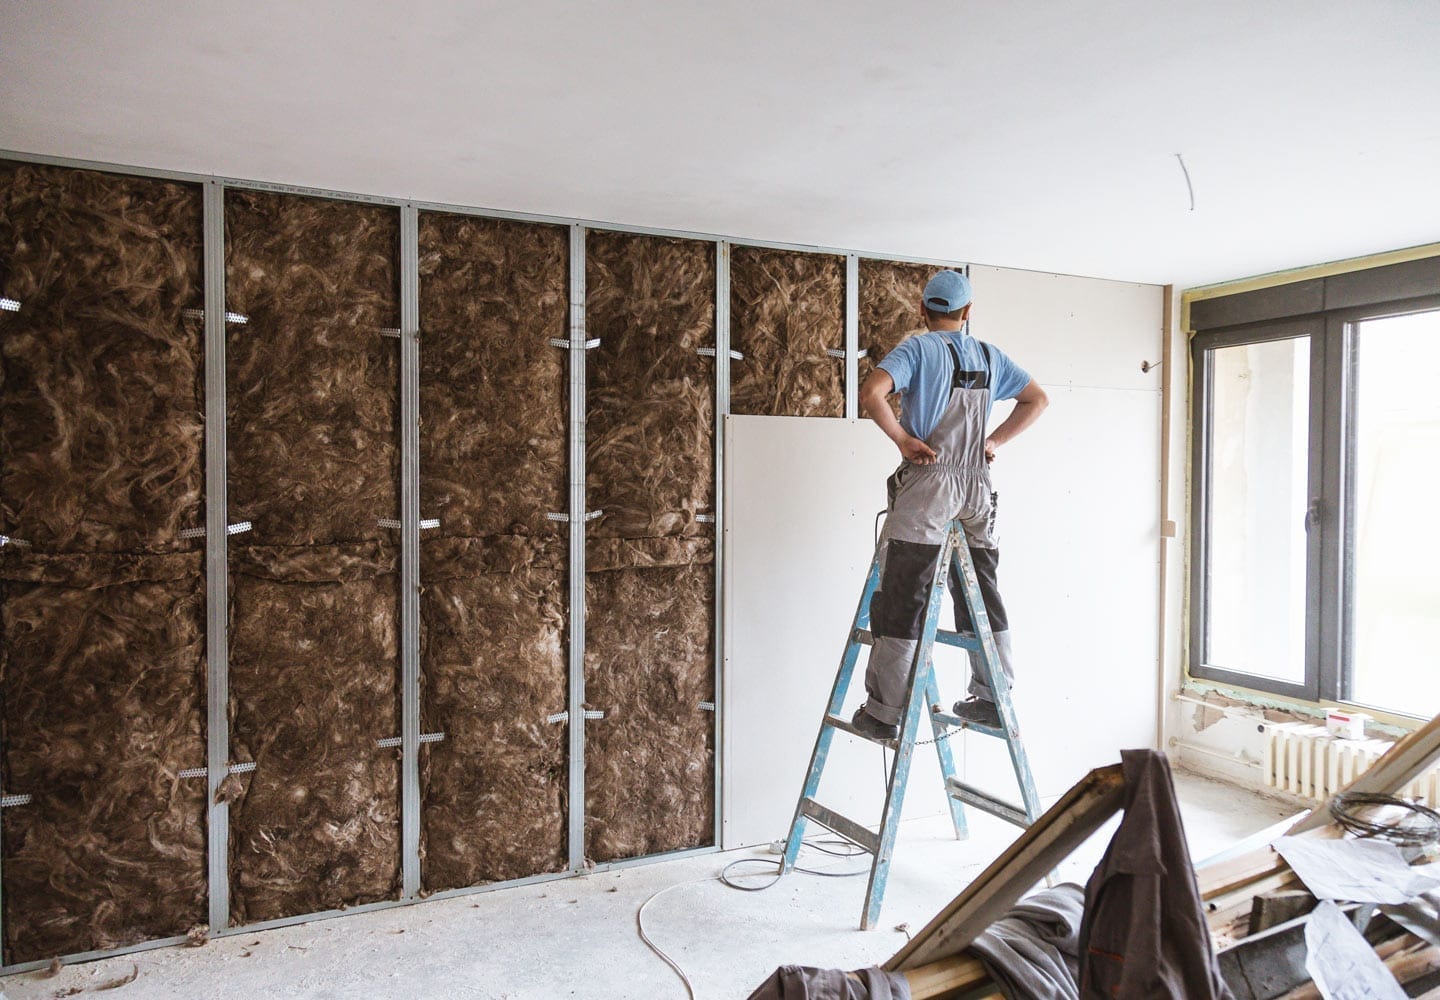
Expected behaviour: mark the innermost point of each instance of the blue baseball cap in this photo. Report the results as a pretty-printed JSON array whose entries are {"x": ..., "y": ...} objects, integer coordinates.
[{"x": 947, "y": 292}]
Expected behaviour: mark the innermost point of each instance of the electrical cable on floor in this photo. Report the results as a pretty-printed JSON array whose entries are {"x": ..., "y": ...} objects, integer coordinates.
[
  {"x": 825, "y": 846},
  {"x": 1419, "y": 826}
]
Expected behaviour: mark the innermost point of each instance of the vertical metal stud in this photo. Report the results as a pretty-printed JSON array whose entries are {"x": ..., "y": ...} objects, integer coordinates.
[
  {"x": 577, "y": 548},
  {"x": 217, "y": 579},
  {"x": 722, "y": 411},
  {"x": 410, "y": 549},
  {"x": 852, "y": 335}
]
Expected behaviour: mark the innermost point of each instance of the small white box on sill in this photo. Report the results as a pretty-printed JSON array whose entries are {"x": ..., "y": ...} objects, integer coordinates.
[{"x": 1346, "y": 725}]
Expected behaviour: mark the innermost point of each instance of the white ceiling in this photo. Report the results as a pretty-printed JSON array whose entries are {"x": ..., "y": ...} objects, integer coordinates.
[{"x": 1027, "y": 134}]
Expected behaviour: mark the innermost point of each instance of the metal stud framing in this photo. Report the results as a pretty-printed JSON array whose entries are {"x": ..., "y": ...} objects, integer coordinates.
[
  {"x": 722, "y": 411},
  {"x": 216, "y": 514},
  {"x": 217, "y": 570},
  {"x": 852, "y": 335},
  {"x": 576, "y": 722},
  {"x": 410, "y": 550}
]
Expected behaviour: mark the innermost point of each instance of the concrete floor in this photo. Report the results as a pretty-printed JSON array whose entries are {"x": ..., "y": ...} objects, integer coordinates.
[{"x": 577, "y": 937}]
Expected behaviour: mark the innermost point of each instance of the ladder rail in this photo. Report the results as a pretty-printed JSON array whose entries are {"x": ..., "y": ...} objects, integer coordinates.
[
  {"x": 921, "y": 695},
  {"x": 823, "y": 738},
  {"x": 900, "y": 768},
  {"x": 999, "y": 683}
]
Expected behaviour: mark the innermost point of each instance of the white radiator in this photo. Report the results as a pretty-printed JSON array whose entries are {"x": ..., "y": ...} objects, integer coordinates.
[{"x": 1305, "y": 760}]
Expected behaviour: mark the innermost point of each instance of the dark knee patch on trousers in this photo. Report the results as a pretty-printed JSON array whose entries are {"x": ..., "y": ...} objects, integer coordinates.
[
  {"x": 898, "y": 609},
  {"x": 987, "y": 566}
]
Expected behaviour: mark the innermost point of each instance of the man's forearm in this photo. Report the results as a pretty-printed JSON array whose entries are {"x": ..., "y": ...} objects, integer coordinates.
[
  {"x": 879, "y": 411},
  {"x": 1021, "y": 417}
]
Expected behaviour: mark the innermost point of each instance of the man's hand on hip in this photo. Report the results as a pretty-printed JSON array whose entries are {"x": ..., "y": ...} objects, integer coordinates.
[{"x": 917, "y": 451}]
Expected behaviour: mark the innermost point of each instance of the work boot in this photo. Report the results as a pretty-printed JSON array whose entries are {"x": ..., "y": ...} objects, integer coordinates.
[
  {"x": 872, "y": 727},
  {"x": 979, "y": 712}
]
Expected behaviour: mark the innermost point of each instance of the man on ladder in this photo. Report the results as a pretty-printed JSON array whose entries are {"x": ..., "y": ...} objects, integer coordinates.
[{"x": 947, "y": 381}]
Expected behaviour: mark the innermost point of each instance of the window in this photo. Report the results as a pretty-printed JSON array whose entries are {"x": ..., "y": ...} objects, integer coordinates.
[{"x": 1315, "y": 559}]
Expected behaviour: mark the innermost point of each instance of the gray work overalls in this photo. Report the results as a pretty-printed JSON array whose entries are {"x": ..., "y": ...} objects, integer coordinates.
[{"x": 924, "y": 499}]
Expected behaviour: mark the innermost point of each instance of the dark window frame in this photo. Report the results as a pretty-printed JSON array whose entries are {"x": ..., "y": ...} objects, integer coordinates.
[{"x": 1327, "y": 311}]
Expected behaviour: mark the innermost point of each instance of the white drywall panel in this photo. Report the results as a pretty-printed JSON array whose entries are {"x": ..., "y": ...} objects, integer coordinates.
[
  {"x": 1065, "y": 330},
  {"x": 801, "y": 498},
  {"x": 1079, "y": 569}
]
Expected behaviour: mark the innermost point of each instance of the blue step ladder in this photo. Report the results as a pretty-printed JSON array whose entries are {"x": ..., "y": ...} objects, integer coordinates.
[{"x": 923, "y": 697}]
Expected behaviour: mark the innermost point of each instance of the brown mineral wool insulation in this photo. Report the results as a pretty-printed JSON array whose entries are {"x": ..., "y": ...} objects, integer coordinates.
[
  {"x": 649, "y": 763},
  {"x": 103, "y": 707},
  {"x": 313, "y": 383},
  {"x": 650, "y": 422},
  {"x": 494, "y": 790},
  {"x": 314, "y": 672},
  {"x": 100, "y": 414},
  {"x": 889, "y": 309},
  {"x": 787, "y": 309},
  {"x": 493, "y": 390}
]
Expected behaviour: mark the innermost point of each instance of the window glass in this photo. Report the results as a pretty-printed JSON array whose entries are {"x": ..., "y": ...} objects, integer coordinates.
[
  {"x": 1394, "y": 558},
  {"x": 1258, "y": 473}
]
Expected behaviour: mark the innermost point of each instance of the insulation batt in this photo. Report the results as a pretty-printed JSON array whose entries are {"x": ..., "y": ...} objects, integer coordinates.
[
  {"x": 649, "y": 765},
  {"x": 103, "y": 614},
  {"x": 495, "y": 789},
  {"x": 313, "y": 463},
  {"x": 313, "y": 385},
  {"x": 786, "y": 309},
  {"x": 494, "y": 457},
  {"x": 103, "y": 708},
  {"x": 313, "y": 680},
  {"x": 493, "y": 391},
  {"x": 890, "y": 293},
  {"x": 100, "y": 419},
  {"x": 650, "y": 419}
]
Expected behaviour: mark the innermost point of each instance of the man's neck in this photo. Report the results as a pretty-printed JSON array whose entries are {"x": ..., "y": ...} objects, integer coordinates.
[{"x": 950, "y": 326}]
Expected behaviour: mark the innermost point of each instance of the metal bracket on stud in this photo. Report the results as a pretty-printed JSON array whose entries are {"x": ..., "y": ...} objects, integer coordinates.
[
  {"x": 19, "y": 543},
  {"x": 426, "y": 523},
  {"x": 590, "y": 714},
  {"x": 239, "y": 528},
  {"x": 6, "y": 801},
  {"x": 9, "y": 305},
  {"x": 709, "y": 352},
  {"x": 705, "y": 518},
  {"x": 590, "y": 516},
  {"x": 240, "y": 319},
  {"x": 244, "y": 767},
  {"x": 589, "y": 345},
  {"x": 389, "y": 331},
  {"x": 394, "y": 741},
  {"x": 835, "y": 352},
  {"x": 707, "y": 706}
]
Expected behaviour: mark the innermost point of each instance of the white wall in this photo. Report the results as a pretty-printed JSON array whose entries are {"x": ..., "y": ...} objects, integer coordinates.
[{"x": 1079, "y": 521}]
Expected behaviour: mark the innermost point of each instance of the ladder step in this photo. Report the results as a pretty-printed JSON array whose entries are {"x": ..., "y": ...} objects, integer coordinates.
[
  {"x": 956, "y": 639},
  {"x": 835, "y": 722},
  {"x": 847, "y": 828},
  {"x": 866, "y": 638},
  {"x": 986, "y": 802},
  {"x": 955, "y": 722}
]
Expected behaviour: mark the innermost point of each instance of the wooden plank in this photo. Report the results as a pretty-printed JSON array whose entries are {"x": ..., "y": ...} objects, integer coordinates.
[
  {"x": 1079, "y": 813},
  {"x": 1400, "y": 765},
  {"x": 948, "y": 977}
]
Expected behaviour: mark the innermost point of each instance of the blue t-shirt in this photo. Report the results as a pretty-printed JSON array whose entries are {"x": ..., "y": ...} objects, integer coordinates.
[{"x": 922, "y": 369}]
